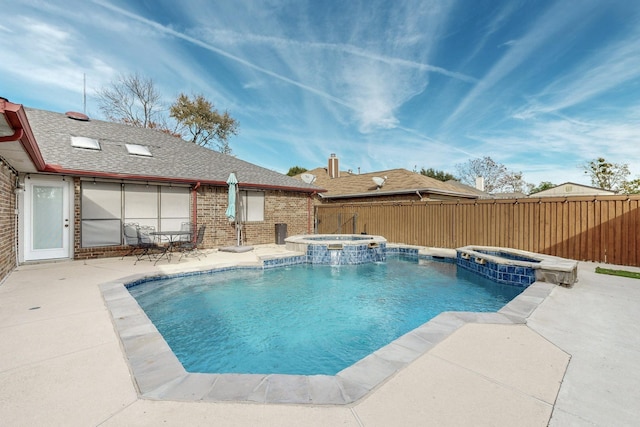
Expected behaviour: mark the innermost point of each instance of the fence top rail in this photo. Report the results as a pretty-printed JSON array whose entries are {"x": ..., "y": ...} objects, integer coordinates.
[{"x": 501, "y": 201}]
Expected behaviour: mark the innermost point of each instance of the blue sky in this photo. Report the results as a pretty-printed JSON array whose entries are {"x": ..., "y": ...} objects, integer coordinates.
[{"x": 539, "y": 86}]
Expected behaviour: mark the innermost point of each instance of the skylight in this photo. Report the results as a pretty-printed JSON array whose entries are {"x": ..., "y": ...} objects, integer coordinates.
[
  {"x": 138, "y": 150},
  {"x": 84, "y": 142}
]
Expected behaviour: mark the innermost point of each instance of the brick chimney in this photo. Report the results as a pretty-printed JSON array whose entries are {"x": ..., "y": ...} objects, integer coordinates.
[{"x": 334, "y": 167}]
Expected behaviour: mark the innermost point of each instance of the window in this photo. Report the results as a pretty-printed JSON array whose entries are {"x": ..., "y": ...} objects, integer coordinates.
[
  {"x": 101, "y": 212},
  {"x": 84, "y": 142},
  {"x": 141, "y": 204},
  {"x": 174, "y": 207},
  {"x": 252, "y": 206},
  {"x": 106, "y": 206},
  {"x": 138, "y": 150}
]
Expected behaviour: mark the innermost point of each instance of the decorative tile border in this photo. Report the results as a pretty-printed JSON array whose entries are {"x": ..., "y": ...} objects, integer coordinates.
[
  {"x": 502, "y": 273},
  {"x": 346, "y": 254}
]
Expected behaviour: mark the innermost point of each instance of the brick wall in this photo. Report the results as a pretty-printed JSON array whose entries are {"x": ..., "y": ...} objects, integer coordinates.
[
  {"x": 280, "y": 207},
  {"x": 8, "y": 230}
]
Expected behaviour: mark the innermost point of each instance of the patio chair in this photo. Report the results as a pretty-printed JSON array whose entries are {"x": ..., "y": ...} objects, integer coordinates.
[
  {"x": 185, "y": 226},
  {"x": 139, "y": 240},
  {"x": 147, "y": 241},
  {"x": 130, "y": 235},
  {"x": 191, "y": 248}
]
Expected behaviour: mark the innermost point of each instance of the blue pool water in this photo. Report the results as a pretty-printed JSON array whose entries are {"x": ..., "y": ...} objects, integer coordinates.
[{"x": 306, "y": 319}]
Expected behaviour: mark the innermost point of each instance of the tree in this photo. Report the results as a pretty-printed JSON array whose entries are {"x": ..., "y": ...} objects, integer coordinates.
[
  {"x": 544, "y": 185},
  {"x": 607, "y": 175},
  {"x": 631, "y": 187},
  {"x": 436, "y": 174},
  {"x": 497, "y": 178},
  {"x": 132, "y": 100},
  {"x": 201, "y": 123},
  {"x": 296, "y": 170}
]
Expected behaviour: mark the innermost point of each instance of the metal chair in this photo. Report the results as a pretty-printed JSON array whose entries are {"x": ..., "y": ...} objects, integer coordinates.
[
  {"x": 148, "y": 242},
  {"x": 130, "y": 236},
  {"x": 185, "y": 226},
  {"x": 191, "y": 248},
  {"x": 139, "y": 239}
]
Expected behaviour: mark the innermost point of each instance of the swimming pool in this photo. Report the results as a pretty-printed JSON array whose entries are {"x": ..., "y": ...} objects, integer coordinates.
[{"x": 305, "y": 319}]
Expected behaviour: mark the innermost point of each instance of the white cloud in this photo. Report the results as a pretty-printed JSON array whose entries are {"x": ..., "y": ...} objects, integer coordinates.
[
  {"x": 606, "y": 69},
  {"x": 548, "y": 28}
]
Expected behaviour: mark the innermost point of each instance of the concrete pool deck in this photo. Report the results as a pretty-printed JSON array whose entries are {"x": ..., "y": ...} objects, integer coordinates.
[{"x": 62, "y": 363}]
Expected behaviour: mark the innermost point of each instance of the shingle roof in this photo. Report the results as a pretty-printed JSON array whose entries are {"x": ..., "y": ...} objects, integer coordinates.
[
  {"x": 469, "y": 189},
  {"x": 172, "y": 158},
  {"x": 399, "y": 181}
]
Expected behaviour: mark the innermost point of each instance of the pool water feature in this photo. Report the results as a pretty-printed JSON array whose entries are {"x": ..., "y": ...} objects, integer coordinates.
[
  {"x": 339, "y": 249},
  {"x": 517, "y": 267},
  {"x": 305, "y": 319}
]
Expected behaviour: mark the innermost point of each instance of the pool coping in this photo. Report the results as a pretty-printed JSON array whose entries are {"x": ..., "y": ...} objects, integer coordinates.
[{"x": 159, "y": 375}]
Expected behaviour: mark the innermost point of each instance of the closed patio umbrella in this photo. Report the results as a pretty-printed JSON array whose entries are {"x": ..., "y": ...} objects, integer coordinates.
[
  {"x": 232, "y": 214},
  {"x": 231, "y": 209}
]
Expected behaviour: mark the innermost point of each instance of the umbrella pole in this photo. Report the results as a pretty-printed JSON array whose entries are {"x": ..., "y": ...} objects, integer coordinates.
[{"x": 238, "y": 223}]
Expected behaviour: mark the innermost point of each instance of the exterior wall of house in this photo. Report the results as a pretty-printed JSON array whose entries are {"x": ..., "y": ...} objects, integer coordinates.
[
  {"x": 293, "y": 209},
  {"x": 8, "y": 229},
  {"x": 88, "y": 253}
]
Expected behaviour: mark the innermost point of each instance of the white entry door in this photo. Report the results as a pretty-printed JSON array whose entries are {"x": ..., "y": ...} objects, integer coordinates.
[{"x": 47, "y": 222}]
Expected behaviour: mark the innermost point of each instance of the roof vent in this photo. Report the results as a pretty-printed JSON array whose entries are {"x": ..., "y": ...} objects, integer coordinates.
[{"x": 77, "y": 116}]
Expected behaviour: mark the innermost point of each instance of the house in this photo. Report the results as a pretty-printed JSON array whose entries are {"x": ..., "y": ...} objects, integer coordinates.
[
  {"x": 469, "y": 189},
  {"x": 572, "y": 189},
  {"x": 397, "y": 185},
  {"x": 69, "y": 183},
  {"x": 510, "y": 195}
]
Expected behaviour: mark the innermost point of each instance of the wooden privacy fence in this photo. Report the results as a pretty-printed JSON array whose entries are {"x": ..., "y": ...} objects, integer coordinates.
[{"x": 600, "y": 229}]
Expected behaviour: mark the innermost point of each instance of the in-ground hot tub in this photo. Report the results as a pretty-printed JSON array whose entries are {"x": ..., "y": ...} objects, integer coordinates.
[
  {"x": 514, "y": 266},
  {"x": 338, "y": 249}
]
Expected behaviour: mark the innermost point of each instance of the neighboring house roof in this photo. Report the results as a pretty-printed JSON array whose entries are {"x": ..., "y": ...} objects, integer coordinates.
[
  {"x": 512, "y": 195},
  {"x": 172, "y": 159},
  {"x": 469, "y": 189},
  {"x": 572, "y": 189},
  {"x": 398, "y": 181}
]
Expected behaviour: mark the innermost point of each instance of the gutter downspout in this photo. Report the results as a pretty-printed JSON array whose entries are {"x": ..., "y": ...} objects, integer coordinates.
[
  {"x": 194, "y": 209},
  {"x": 309, "y": 212}
]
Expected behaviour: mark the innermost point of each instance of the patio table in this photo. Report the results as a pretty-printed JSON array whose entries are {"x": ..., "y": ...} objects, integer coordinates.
[{"x": 172, "y": 238}]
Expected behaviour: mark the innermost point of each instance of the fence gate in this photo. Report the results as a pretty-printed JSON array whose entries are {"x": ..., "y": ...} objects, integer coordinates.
[{"x": 336, "y": 223}]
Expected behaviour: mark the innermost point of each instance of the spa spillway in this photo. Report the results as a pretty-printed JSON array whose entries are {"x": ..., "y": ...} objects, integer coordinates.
[{"x": 339, "y": 249}]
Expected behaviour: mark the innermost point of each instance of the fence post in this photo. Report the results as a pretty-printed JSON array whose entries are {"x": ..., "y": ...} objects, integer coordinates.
[
  {"x": 340, "y": 223},
  {"x": 354, "y": 221}
]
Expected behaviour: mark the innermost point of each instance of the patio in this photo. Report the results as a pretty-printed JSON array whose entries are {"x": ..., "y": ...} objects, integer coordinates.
[{"x": 62, "y": 363}]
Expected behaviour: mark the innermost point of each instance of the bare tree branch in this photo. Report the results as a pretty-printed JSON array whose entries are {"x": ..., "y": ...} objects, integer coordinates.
[{"x": 131, "y": 99}]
